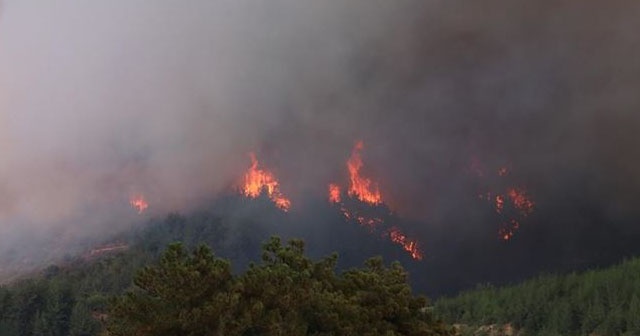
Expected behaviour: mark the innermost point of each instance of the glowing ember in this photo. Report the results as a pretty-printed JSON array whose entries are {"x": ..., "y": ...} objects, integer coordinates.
[
  {"x": 409, "y": 245},
  {"x": 505, "y": 234},
  {"x": 334, "y": 193},
  {"x": 361, "y": 187},
  {"x": 512, "y": 204},
  {"x": 139, "y": 203},
  {"x": 499, "y": 204},
  {"x": 507, "y": 231},
  {"x": 370, "y": 222},
  {"x": 520, "y": 201},
  {"x": 257, "y": 180}
]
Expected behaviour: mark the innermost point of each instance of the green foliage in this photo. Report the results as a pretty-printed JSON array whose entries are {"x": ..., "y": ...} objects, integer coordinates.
[
  {"x": 287, "y": 294},
  {"x": 82, "y": 322},
  {"x": 36, "y": 307},
  {"x": 71, "y": 298},
  {"x": 603, "y": 302}
]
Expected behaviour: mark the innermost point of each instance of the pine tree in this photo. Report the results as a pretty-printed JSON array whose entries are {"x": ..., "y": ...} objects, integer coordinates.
[
  {"x": 633, "y": 315},
  {"x": 288, "y": 294},
  {"x": 82, "y": 322}
]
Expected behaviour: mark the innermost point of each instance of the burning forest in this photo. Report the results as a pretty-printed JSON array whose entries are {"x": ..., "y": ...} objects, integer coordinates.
[
  {"x": 512, "y": 205},
  {"x": 364, "y": 194},
  {"x": 258, "y": 180},
  {"x": 139, "y": 203},
  {"x": 362, "y": 204},
  {"x": 479, "y": 143}
]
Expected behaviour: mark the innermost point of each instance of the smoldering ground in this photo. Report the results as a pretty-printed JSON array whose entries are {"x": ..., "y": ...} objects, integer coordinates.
[{"x": 102, "y": 100}]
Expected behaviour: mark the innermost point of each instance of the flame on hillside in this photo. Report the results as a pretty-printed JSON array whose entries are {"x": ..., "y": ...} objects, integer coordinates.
[
  {"x": 408, "y": 244},
  {"x": 361, "y": 187},
  {"x": 258, "y": 180},
  {"x": 139, "y": 203},
  {"x": 512, "y": 205},
  {"x": 334, "y": 193},
  {"x": 364, "y": 190},
  {"x": 521, "y": 201}
]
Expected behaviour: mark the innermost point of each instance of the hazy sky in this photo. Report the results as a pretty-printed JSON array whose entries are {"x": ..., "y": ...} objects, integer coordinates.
[{"x": 103, "y": 99}]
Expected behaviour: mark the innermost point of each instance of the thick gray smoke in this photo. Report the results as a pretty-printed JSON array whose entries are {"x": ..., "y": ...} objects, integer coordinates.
[{"x": 102, "y": 100}]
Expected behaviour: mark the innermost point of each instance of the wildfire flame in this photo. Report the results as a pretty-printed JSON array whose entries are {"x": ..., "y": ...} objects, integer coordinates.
[
  {"x": 361, "y": 187},
  {"x": 258, "y": 180},
  {"x": 523, "y": 205},
  {"x": 139, "y": 203},
  {"x": 508, "y": 229},
  {"x": 409, "y": 245},
  {"x": 334, "y": 193},
  {"x": 512, "y": 205},
  {"x": 521, "y": 201},
  {"x": 366, "y": 191}
]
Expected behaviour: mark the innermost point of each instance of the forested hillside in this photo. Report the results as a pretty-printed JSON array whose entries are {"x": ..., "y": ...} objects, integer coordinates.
[
  {"x": 72, "y": 297},
  {"x": 602, "y": 302},
  {"x": 285, "y": 294}
]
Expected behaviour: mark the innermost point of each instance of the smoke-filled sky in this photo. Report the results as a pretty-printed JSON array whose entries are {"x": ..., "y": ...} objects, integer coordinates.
[{"x": 102, "y": 100}]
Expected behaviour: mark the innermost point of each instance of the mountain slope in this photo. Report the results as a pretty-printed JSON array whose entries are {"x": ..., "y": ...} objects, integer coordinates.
[
  {"x": 604, "y": 302},
  {"x": 70, "y": 297}
]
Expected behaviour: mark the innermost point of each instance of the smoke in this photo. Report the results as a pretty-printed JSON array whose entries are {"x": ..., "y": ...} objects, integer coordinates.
[{"x": 101, "y": 100}]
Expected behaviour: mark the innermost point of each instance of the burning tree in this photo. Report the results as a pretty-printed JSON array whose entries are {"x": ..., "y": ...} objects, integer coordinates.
[
  {"x": 257, "y": 181},
  {"x": 365, "y": 192}
]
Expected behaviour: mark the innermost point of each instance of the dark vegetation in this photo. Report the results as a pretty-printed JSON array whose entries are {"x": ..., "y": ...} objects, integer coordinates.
[
  {"x": 287, "y": 294},
  {"x": 601, "y": 302},
  {"x": 73, "y": 298}
]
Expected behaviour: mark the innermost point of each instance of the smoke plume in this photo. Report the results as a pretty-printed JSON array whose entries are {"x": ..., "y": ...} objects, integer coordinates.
[{"x": 103, "y": 100}]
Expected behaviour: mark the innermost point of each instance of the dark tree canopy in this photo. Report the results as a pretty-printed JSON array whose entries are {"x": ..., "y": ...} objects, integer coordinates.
[
  {"x": 287, "y": 294},
  {"x": 596, "y": 302}
]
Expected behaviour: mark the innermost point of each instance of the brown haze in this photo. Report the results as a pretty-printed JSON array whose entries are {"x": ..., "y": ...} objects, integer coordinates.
[{"x": 100, "y": 100}]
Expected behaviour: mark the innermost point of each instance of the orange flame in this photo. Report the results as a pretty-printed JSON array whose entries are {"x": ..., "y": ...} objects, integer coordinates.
[
  {"x": 409, "y": 245},
  {"x": 521, "y": 203},
  {"x": 257, "y": 180},
  {"x": 139, "y": 203},
  {"x": 361, "y": 187},
  {"x": 364, "y": 190},
  {"x": 513, "y": 205},
  {"x": 334, "y": 193}
]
